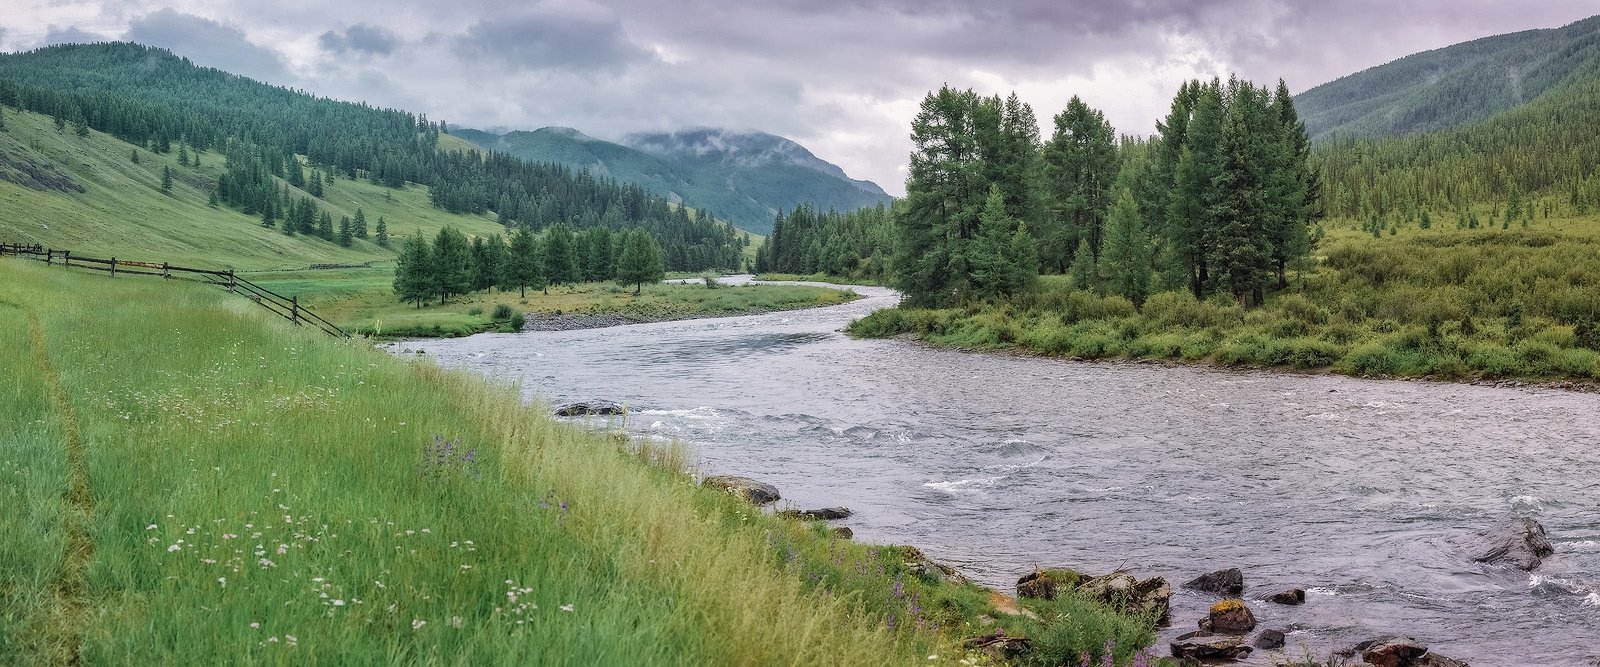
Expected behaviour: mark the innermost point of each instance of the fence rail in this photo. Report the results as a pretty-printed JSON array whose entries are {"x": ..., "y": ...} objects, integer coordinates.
[{"x": 287, "y": 307}]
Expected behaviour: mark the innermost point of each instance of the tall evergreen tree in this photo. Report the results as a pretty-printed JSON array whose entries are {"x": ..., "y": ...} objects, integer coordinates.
[
  {"x": 166, "y": 179},
  {"x": 944, "y": 194},
  {"x": 324, "y": 222},
  {"x": 1125, "y": 257},
  {"x": 345, "y": 237},
  {"x": 359, "y": 224},
  {"x": 382, "y": 237},
  {"x": 640, "y": 261},
  {"x": 453, "y": 270},
  {"x": 560, "y": 256},
  {"x": 525, "y": 266},
  {"x": 492, "y": 272},
  {"x": 413, "y": 272},
  {"x": 1080, "y": 164}
]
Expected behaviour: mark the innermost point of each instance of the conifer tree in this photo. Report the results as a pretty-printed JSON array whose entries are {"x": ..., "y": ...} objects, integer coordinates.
[
  {"x": 359, "y": 224},
  {"x": 1084, "y": 274},
  {"x": 1125, "y": 257},
  {"x": 183, "y": 156},
  {"x": 324, "y": 223},
  {"x": 413, "y": 269},
  {"x": 166, "y": 179},
  {"x": 382, "y": 237},
  {"x": 525, "y": 267},
  {"x": 560, "y": 255},
  {"x": 1080, "y": 163},
  {"x": 640, "y": 261},
  {"x": 452, "y": 264},
  {"x": 134, "y": 156},
  {"x": 314, "y": 185},
  {"x": 211, "y": 200},
  {"x": 492, "y": 271},
  {"x": 345, "y": 237}
]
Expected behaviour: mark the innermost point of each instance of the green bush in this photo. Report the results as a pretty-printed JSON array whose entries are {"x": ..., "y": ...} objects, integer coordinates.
[
  {"x": 475, "y": 311},
  {"x": 501, "y": 313},
  {"x": 1370, "y": 359}
]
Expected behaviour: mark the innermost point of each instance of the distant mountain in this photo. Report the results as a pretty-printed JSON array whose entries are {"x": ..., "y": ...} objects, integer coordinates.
[
  {"x": 745, "y": 178},
  {"x": 1456, "y": 85}
]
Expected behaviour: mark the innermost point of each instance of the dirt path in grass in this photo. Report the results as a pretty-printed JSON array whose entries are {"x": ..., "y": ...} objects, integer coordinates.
[{"x": 70, "y": 607}]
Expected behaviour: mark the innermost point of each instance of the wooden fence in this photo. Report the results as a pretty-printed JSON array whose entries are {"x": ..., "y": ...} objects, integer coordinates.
[{"x": 287, "y": 307}]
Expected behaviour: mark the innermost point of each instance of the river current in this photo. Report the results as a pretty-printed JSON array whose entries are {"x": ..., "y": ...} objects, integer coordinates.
[{"x": 1366, "y": 493}]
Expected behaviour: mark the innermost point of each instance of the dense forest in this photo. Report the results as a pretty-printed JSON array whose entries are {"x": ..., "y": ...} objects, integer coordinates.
[
  {"x": 451, "y": 265},
  {"x": 1220, "y": 200},
  {"x": 853, "y": 245},
  {"x": 154, "y": 99}
]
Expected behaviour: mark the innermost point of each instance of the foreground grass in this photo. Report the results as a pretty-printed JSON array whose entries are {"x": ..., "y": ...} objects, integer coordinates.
[
  {"x": 261, "y": 495},
  {"x": 1446, "y": 304},
  {"x": 362, "y": 300}
]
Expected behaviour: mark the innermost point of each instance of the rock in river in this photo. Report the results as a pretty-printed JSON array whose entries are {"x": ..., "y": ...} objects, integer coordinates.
[
  {"x": 1520, "y": 543},
  {"x": 1202, "y": 645},
  {"x": 1392, "y": 651},
  {"x": 824, "y": 514},
  {"x": 1221, "y": 582},
  {"x": 588, "y": 408},
  {"x": 1269, "y": 639},
  {"x": 1292, "y": 596},
  {"x": 752, "y": 491},
  {"x": 1229, "y": 617}
]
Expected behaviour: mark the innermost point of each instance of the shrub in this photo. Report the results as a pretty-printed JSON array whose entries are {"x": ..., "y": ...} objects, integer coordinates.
[
  {"x": 517, "y": 321},
  {"x": 1180, "y": 309},
  {"x": 475, "y": 311},
  {"x": 502, "y": 312},
  {"x": 1370, "y": 359}
]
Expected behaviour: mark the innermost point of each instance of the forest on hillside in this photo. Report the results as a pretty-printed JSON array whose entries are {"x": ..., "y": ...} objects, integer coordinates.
[{"x": 153, "y": 99}]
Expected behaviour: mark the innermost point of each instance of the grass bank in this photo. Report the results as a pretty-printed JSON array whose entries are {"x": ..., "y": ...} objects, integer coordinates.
[
  {"x": 1443, "y": 304},
  {"x": 253, "y": 493},
  {"x": 361, "y": 300},
  {"x": 817, "y": 278}
]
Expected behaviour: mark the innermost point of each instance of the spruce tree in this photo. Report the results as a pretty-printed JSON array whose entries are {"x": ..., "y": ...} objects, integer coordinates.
[
  {"x": 1080, "y": 163},
  {"x": 524, "y": 266},
  {"x": 134, "y": 156},
  {"x": 944, "y": 194},
  {"x": 359, "y": 225},
  {"x": 166, "y": 179},
  {"x": 345, "y": 237},
  {"x": 1125, "y": 257},
  {"x": 640, "y": 261},
  {"x": 382, "y": 236},
  {"x": 314, "y": 185},
  {"x": 211, "y": 200},
  {"x": 413, "y": 279},
  {"x": 324, "y": 223},
  {"x": 1084, "y": 274},
  {"x": 560, "y": 255},
  {"x": 183, "y": 156},
  {"x": 452, "y": 264},
  {"x": 492, "y": 272}
]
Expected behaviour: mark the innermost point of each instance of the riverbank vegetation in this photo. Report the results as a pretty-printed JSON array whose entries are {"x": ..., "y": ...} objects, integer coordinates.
[
  {"x": 200, "y": 480},
  {"x": 1208, "y": 243}
]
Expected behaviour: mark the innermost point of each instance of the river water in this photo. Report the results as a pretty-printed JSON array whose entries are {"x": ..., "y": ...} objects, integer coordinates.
[{"x": 1366, "y": 493}]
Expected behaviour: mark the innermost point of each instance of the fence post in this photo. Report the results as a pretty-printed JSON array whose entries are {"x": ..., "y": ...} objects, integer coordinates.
[
  {"x": 295, "y": 313},
  {"x": 113, "y": 267},
  {"x": 66, "y": 258},
  {"x": 166, "y": 271},
  {"x": 231, "y": 283},
  {"x": 49, "y": 257}
]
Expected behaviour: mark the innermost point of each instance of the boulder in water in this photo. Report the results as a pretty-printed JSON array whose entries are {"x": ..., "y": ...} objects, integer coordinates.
[
  {"x": 824, "y": 514},
  {"x": 1203, "y": 645},
  {"x": 1392, "y": 651},
  {"x": 1229, "y": 617},
  {"x": 1292, "y": 596},
  {"x": 752, "y": 491},
  {"x": 1269, "y": 639},
  {"x": 591, "y": 408},
  {"x": 1221, "y": 582},
  {"x": 1520, "y": 543}
]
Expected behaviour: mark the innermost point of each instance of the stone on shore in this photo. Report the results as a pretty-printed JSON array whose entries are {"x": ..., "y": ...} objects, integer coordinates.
[
  {"x": 1151, "y": 597},
  {"x": 752, "y": 491},
  {"x": 591, "y": 408},
  {"x": 1203, "y": 645},
  {"x": 824, "y": 514}
]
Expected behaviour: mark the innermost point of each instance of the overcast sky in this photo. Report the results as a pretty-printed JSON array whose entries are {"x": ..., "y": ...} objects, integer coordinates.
[{"x": 842, "y": 77}]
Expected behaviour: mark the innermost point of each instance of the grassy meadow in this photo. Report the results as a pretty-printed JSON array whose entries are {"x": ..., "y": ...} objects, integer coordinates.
[
  {"x": 192, "y": 481},
  {"x": 1443, "y": 303}
]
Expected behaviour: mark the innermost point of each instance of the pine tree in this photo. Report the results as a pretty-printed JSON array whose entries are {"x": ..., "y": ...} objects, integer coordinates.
[
  {"x": 640, "y": 261},
  {"x": 183, "y": 156},
  {"x": 134, "y": 156},
  {"x": 560, "y": 255},
  {"x": 525, "y": 266},
  {"x": 166, "y": 179},
  {"x": 1125, "y": 257},
  {"x": 492, "y": 272},
  {"x": 944, "y": 194},
  {"x": 1080, "y": 163},
  {"x": 211, "y": 200},
  {"x": 413, "y": 272},
  {"x": 324, "y": 223},
  {"x": 997, "y": 271},
  {"x": 383, "y": 233},
  {"x": 314, "y": 185},
  {"x": 1084, "y": 274},
  {"x": 452, "y": 264},
  {"x": 359, "y": 225},
  {"x": 345, "y": 237}
]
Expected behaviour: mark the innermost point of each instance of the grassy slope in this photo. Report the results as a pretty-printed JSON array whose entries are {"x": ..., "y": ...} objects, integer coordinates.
[
  {"x": 1442, "y": 303},
  {"x": 124, "y": 213},
  {"x": 259, "y": 494}
]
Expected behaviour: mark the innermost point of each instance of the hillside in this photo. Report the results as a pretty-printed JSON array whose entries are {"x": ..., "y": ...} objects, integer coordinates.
[
  {"x": 86, "y": 194},
  {"x": 745, "y": 178},
  {"x": 1454, "y": 86},
  {"x": 270, "y": 138}
]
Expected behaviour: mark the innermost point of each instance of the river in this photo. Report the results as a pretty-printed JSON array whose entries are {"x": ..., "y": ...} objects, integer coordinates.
[{"x": 1364, "y": 492}]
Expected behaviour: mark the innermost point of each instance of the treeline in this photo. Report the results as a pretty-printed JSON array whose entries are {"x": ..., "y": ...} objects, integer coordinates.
[
  {"x": 452, "y": 265},
  {"x": 1221, "y": 199},
  {"x": 156, "y": 100},
  {"x": 856, "y": 244},
  {"x": 1543, "y": 156}
]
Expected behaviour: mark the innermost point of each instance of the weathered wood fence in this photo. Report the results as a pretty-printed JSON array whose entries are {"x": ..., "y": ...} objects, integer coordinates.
[{"x": 287, "y": 307}]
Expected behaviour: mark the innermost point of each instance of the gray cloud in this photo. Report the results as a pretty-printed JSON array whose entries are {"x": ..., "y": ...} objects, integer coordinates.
[
  {"x": 549, "y": 37},
  {"x": 71, "y": 35},
  {"x": 843, "y": 77},
  {"x": 360, "y": 38},
  {"x": 207, "y": 43}
]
